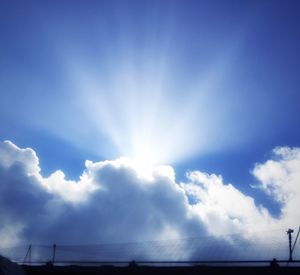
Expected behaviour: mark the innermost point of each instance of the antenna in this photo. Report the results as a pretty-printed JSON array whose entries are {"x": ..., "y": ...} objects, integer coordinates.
[{"x": 289, "y": 232}]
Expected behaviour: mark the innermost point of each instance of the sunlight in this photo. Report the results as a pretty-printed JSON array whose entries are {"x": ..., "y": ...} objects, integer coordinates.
[
  {"x": 140, "y": 106},
  {"x": 145, "y": 155},
  {"x": 146, "y": 121}
]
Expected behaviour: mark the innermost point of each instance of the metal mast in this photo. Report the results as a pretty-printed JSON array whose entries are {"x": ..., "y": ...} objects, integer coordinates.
[{"x": 289, "y": 232}]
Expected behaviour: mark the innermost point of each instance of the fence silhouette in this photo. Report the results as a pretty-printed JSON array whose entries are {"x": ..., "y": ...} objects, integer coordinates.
[{"x": 235, "y": 248}]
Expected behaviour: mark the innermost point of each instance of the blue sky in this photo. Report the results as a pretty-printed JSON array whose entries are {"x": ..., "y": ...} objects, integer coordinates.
[
  {"x": 237, "y": 61},
  {"x": 198, "y": 85}
]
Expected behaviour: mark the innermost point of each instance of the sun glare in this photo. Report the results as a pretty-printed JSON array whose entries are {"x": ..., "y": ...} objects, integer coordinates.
[
  {"x": 146, "y": 115},
  {"x": 145, "y": 157}
]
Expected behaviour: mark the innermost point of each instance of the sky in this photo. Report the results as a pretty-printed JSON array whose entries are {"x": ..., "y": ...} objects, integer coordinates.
[{"x": 164, "y": 119}]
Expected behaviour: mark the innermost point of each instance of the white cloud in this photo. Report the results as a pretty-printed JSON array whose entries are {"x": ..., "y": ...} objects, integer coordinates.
[
  {"x": 280, "y": 178},
  {"x": 10, "y": 154},
  {"x": 223, "y": 208},
  {"x": 119, "y": 201},
  {"x": 68, "y": 190},
  {"x": 111, "y": 202}
]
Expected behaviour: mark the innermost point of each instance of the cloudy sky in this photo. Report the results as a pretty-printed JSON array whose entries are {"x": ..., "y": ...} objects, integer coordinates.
[{"x": 133, "y": 121}]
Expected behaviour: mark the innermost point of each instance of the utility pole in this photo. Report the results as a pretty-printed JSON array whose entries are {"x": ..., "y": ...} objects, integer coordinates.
[
  {"x": 289, "y": 232},
  {"x": 54, "y": 251}
]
